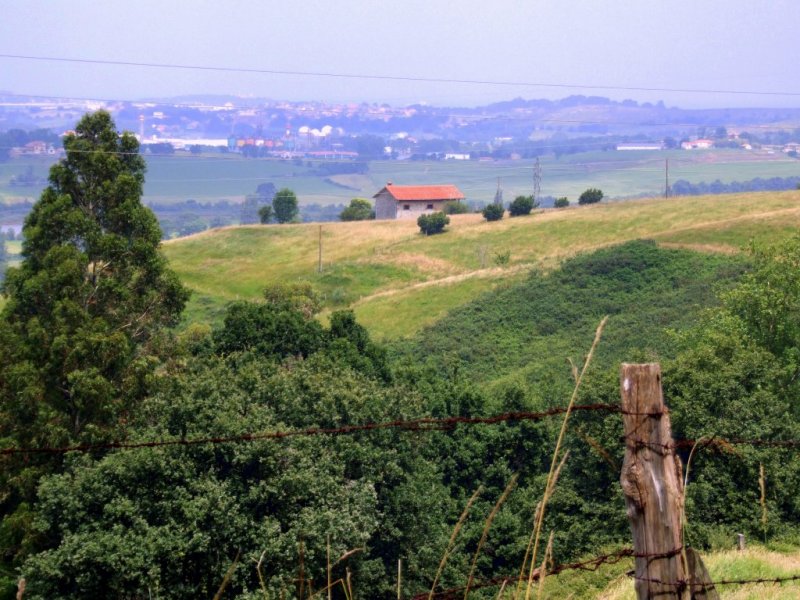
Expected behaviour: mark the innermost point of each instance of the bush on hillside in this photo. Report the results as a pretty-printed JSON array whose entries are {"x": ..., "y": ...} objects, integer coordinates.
[
  {"x": 359, "y": 209},
  {"x": 522, "y": 205},
  {"x": 433, "y": 223},
  {"x": 591, "y": 196},
  {"x": 561, "y": 202},
  {"x": 493, "y": 212}
]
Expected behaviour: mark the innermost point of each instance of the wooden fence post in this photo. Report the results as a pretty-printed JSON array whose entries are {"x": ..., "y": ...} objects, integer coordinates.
[{"x": 652, "y": 481}]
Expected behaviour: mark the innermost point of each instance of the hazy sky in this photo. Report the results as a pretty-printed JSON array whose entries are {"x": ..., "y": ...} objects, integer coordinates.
[{"x": 748, "y": 45}]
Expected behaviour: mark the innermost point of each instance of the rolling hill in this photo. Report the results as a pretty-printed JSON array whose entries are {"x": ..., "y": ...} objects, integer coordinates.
[{"x": 399, "y": 281}]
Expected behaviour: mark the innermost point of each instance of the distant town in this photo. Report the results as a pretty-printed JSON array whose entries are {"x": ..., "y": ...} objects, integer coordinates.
[{"x": 516, "y": 129}]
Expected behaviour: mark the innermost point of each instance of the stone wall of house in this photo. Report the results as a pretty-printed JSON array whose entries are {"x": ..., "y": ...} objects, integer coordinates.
[
  {"x": 412, "y": 210},
  {"x": 385, "y": 206}
]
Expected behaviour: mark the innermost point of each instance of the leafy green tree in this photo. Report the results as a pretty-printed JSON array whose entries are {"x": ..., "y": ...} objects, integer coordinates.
[
  {"x": 359, "y": 209},
  {"x": 284, "y": 206},
  {"x": 591, "y": 196},
  {"x": 433, "y": 223},
  {"x": 265, "y": 214},
  {"x": 493, "y": 212},
  {"x": 522, "y": 205},
  {"x": 561, "y": 202},
  {"x": 768, "y": 299},
  {"x": 85, "y": 307}
]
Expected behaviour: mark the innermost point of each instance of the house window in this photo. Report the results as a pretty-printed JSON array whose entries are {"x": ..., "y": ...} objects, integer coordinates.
[
  {"x": 430, "y": 206},
  {"x": 406, "y": 207}
]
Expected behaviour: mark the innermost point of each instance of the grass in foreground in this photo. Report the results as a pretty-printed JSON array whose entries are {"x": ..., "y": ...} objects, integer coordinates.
[{"x": 753, "y": 563}]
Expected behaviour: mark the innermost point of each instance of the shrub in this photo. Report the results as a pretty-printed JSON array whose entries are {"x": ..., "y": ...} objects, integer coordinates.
[
  {"x": 561, "y": 202},
  {"x": 433, "y": 223},
  {"x": 359, "y": 209},
  {"x": 502, "y": 259},
  {"x": 591, "y": 196},
  {"x": 265, "y": 214},
  {"x": 522, "y": 205},
  {"x": 455, "y": 208},
  {"x": 493, "y": 212}
]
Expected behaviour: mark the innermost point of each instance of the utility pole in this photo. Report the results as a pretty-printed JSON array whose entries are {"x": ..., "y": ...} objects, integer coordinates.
[
  {"x": 498, "y": 195},
  {"x": 666, "y": 177},
  {"x": 537, "y": 181},
  {"x": 319, "y": 261}
]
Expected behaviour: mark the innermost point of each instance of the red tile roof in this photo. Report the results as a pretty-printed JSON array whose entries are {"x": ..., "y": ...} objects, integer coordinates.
[{"x": 422, "y": 192}]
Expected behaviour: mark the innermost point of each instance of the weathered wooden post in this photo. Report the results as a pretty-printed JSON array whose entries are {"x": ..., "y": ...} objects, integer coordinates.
[{"x": 652, "y": 481}]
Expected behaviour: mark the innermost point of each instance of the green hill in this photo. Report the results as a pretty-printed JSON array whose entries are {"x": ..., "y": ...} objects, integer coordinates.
[
  {"x": 523, "y": 334},
  {"x": 399, "y": 281}
]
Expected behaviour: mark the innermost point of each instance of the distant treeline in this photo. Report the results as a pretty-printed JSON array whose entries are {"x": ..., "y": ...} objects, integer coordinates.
[
  {"x": 759, "y": 184},
  {"x": 179, "y": 219}
]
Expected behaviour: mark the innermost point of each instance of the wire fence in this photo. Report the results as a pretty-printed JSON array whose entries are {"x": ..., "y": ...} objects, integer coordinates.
[
  {"x": 411, "y": 425},
  {"x": 430, "y": 424}
]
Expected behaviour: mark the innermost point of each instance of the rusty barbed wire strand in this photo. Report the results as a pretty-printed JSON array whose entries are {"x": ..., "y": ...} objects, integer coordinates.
[
  {"x": 415, "y": 425},
  {"x": 708, "y": 586},
  {"x": 714, "y": 442},
  {"x": 591, "y": 564}
]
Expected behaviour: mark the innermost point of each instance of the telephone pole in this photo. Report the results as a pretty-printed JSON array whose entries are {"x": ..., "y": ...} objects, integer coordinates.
[
  {"x": 666, "y": 178},
  {"x": 319, "y": 262}
]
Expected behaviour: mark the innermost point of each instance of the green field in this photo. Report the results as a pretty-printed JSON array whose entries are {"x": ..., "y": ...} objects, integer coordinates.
[
  {"x": 212, "y": 177},
  {"x": 398, "y": 281}
]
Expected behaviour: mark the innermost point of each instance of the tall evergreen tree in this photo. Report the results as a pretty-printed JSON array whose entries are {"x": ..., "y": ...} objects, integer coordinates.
[{"x": 76, "y": 334}]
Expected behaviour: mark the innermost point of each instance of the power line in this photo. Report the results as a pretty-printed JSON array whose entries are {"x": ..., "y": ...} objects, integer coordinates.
[{"x": 364, "y": 76}]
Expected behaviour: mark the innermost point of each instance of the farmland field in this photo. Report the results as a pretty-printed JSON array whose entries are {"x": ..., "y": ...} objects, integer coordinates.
[{"x": 212, "y": 177}]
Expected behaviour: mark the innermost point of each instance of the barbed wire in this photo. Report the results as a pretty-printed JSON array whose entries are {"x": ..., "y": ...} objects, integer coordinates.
[
  {"x": 587, "y": 565},
  {"x": 415, "y": 425},
  {"x": 710, "y": 586},
  {"x": 592, "y": 564}
]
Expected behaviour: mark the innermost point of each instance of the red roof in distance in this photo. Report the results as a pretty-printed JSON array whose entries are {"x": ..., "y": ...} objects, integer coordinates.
[{"x": 422, "y": 192}]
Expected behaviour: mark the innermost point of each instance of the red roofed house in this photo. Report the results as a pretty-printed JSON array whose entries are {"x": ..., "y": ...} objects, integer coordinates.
[{"x": 411, "y": 201}]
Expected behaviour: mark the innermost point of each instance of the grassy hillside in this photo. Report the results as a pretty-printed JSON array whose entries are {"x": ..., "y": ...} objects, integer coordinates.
[
  {"x": 643, "y": 288},
  {"x": 399, "y": 281},
  {"x": 610, "y": 582}
]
